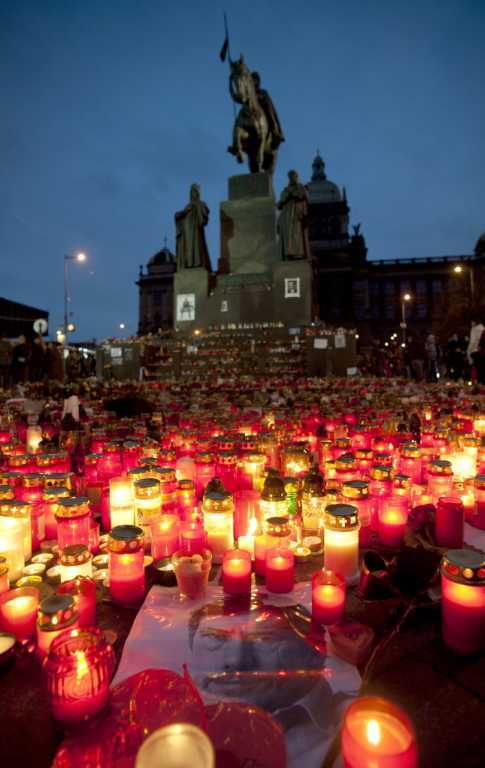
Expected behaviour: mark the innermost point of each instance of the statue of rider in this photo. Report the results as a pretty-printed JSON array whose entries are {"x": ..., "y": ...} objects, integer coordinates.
[{"x": 266, "y": 103}]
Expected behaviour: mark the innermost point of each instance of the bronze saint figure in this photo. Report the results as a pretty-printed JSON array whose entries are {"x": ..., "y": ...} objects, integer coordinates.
[
  {"x": 257, "y": 132},
  {"x": 293, "y": 219},
  {"x": 191, "y": 246}
]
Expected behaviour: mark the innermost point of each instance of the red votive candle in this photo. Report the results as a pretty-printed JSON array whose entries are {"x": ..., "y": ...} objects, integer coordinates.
[
  {"x": 393, "y": 518},
  {"x": 73, "y": 517},
  {"x": 328, "y": 597},
  {"x": 280, "y": 570},
  {"x": 126, "y": 568},
  {"x": 236, "y": 572},
  {"x": 192, "y": 538},
  {"x": 449, "y": 522},
  {"x": 164, "y": 536},
  {"x": 463, "y": 600},
  {"x": 78, "y": 671},
  {"x": 56, "y": 614},
  {"x": 377, "y": 734},
  {"x": 83, "y": 590},
  {"x": 18, "y": 612}
]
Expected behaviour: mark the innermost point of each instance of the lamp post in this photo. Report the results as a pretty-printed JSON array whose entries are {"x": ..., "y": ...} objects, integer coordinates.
[
  {"x": 405, "y": 298},
  {"x": 458, "y": 269},
  {"x": 79, "y": 257}
]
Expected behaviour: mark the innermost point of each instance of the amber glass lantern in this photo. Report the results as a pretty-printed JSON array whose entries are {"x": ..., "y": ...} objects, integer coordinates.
[
  {"x": 273, "y": 501},
  {"x": 313, "y": 504},
  {"x": 73, "y": 517},
  {"x": 218, "y": 511},
  {"x": 78, "y": 670}
]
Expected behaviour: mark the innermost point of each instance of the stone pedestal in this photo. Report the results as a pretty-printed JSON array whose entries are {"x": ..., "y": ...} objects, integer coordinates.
[
  {"x": 190, "y": 288},
  {"x": 292, "y": 292},
  {"x": 248, "y": 225}
]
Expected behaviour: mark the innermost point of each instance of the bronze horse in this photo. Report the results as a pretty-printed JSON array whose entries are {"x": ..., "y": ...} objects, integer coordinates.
[{"x": 251, "y": 134}]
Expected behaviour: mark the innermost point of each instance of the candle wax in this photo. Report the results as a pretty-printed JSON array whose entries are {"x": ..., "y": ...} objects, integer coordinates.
[
  {"x": 377, "y": 740},
  {"x": 328, "y": 601},
  {"x": 19, "y": 615}
]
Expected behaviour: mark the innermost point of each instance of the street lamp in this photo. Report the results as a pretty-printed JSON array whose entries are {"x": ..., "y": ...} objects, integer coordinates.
[
  {"x": 405, "y": 298},
  {"x": 458, "y": 269},
  {"x": 80, "y": 258}
]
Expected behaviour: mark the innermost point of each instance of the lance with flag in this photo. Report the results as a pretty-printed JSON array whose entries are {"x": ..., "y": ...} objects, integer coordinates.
[{"x": 225, "y": 50}]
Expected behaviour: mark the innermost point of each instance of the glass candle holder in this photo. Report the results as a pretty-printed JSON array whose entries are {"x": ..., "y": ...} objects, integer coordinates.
[
  {"x": 167, "y": 744},
  {"x": 226, "y": 469},
  {"x": 164, "y": 536},
  {"x": 192, "y": 538},
  {"x": 463, "y": 600},
  {"x": 56, "y": 613},
  {"x": 341, "y": 542},
  {"x": 168, "y": 489},
  {"x": 251, "y": 471},
  {"x": 12, "y": 545},
  {"x": 449, "y": 522},
  {"x": 380, "y": 488},
  {"x": 295, "y": 460},
  {"x": 83, "y": 590},
  {"x": 218, "y": 511},
  {"x": 148, "y": 503},
  {"x": 75, "y": 560},
  {"x": 13, "y": 509},
  {"x": 291, "y": 490},
  {"x": 18, "y": 612},
  {"x": 477, "y": 517},
  {"x": 192, "y": 572},
  {"x": 4, "y": 583},
  {"x": 346, "y": 468},
  {"x": 364, "y": 458},
  {"x": 328, "y": 597},
  {"x": 356, "y": 492},
  {"x": 273, "y": 502},
  {"x": 236, "y": 572},
  {"x": 377, "y": 734},
  {"x": 131, "y": 453},
  {"x": 50, "y": 499},
  {"x": 276, "y": 533},
  {"x": 73, "y": 516},
  {"x": 78, "y": 670},
  {"x": 186, "y": 498},
  {"x": 439, "y": 478},
  {"x": 393, "y": 517},
  {"x": 126, "y": 568},
  {"x": 121, "y": 502},
  {"x": 110, "y": 464},
  {"x": 280, "y": 570},
  {"x": 204, "y": 471}
]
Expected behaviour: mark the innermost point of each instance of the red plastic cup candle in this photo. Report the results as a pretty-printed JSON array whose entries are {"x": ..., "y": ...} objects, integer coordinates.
[
  {"x": 78, "y": 670},
  {"x": 75, "y": 560},
  {"x": 477, "y": 517},
  {"x": 126, "y": 567},
  {"x": 463, "y": 600},
  {"x": 280, "y": 569},
  {"x": 192, "y": 572},
  {"x": 377, "y": 734},
  {"x": 73, "y": 517},
  {"x": 164, "y": 535},
  {"x": 18, "y": 612},
  {"x": 83, "y": 590},
  {"x": 50, "y": 499},
  {"x": 236, "y": 572},
  {"x": 328, "y": 597},
  {"x": 449, "y": 522},
  {"x": 393, "y": 518},
  {"x": 192, "y": 538},
  {"x": 440, "y": 478}
]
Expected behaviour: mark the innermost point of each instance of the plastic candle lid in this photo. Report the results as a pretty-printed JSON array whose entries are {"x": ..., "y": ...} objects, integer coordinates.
[
  {"x": 341, "y": 517},
  {"x": 465, "y": 566}
]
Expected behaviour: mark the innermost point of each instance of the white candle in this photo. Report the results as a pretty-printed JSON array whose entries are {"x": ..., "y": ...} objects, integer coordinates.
[
  {"x": 12, "y": 546},
  {"x": 176, "y": 746},
  {"x": 341, "y": 543}
]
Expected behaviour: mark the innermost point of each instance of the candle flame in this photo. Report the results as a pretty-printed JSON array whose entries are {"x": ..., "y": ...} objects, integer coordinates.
[
  {"x": 253, "y": 525},
  {"x": 82, "y": 664},
  {"x": 373, "y": 732}
]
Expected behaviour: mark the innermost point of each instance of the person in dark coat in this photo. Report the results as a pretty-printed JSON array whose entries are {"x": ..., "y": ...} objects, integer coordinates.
[{"x": 20, "y": 360}]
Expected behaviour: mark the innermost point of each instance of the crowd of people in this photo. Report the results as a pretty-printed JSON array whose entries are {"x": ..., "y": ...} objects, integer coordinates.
[
  {"x": 37, "y": 360},
  {"x": 425, "y": 358}
]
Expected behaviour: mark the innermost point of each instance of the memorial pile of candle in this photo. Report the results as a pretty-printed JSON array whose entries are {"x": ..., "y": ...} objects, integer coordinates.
[{"x": 215, "y": 478}]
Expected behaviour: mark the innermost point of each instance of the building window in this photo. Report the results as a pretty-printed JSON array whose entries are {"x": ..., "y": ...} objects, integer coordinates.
[
  {"x": 421, "y": 299},
  {"x": 437, "y": 285}
]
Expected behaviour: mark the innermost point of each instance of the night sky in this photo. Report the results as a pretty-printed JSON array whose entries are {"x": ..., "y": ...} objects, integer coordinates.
[{"x": 111, "y": 108}]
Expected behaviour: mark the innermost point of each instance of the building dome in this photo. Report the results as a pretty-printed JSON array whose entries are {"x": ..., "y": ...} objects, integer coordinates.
[
  {"x": 320, "y": 189},
  {"x": 163, "y": 257}
]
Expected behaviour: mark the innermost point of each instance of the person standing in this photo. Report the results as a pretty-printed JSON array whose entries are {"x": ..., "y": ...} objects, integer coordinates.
[
  {"x": 476, "y": 331},
  {"x": 55, "y": 368},
  {"x": 5, "y": 362}
]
